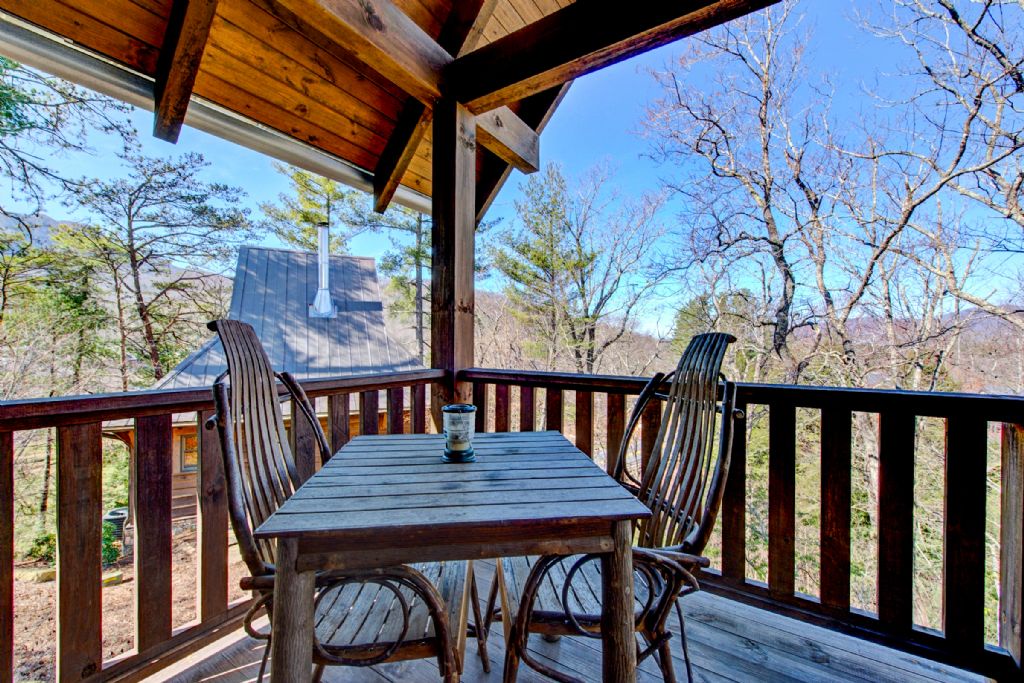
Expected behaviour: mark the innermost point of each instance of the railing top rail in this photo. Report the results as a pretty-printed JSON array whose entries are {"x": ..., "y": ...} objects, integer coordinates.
[
  {"x": 39, "y": 413},
  {"x": 991, "y": 407}
]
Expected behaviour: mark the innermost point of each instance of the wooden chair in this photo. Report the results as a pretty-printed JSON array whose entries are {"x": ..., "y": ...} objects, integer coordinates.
[
  {"x": 361, "y": 618},
  {"x": 681, "y": 481}
]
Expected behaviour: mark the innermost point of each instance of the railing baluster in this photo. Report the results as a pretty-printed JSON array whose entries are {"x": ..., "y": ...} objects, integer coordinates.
[
  {"x": 339, "y": 411},
  {"x": 553, "y": 419},
  {"x": 152, "y": 530},
  {"x": 6, "y": 557},
  {"x": 585, "y": 422},
  {"x": 212, "y": 532},
  {"x": 963, "y": 590},
  {"x": 418, "y": 395},
  {"x": 527, "y": 409},
  {"x": 396, "y": 410},
  {"x": 1011, "y": 544},
  {"x": 650, "y": 423},
  {"x": 781, "y": 498},
  {"x": 616, "y": 427},
  {"x": 896, "y": 519},
  {"x": 79, "y": 520},
  {"x": 734, "y": 504},
  {"x": 369, "y": 413},
  {"x": 303, "y": 442},
  {"x": 501, "y": 407},
  {"x": 480, "y": 401},
  {"x": 835, "y": 508}
]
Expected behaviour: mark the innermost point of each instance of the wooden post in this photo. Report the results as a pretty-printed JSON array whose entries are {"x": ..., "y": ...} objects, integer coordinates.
[
  {"x": 6, "y": 557},
  {"x": 212, "y": 538},
  {"x": 1011, "y": 545},
  {"x": 619, "y": 647},
  {"x": 152, "y": 530},
  {"x": 292, "y": 645},
  {"x": 454, "y": 226},
  {"x": 79, "y": 519}
]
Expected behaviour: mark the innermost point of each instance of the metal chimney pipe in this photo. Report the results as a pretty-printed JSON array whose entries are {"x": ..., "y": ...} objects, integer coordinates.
[{"x": 322, "y": 306}]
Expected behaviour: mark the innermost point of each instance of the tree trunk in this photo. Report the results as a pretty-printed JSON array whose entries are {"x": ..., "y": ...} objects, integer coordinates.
[
  {"x": 420, "y": 343},
  {"x": 152, "y": 347}
]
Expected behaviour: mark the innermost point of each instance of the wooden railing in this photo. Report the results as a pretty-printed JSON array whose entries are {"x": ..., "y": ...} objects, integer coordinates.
[
  {"x": 593, "y": 411},
  {"x": 79, "y": 423},
  {"x": 961, "y": 640}
]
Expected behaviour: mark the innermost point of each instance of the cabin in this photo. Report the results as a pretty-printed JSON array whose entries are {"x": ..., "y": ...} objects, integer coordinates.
[{"x": 432, "y": 104}]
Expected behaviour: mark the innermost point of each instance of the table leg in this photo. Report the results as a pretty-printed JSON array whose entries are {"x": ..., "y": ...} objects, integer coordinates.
[
  {"x": 619, "y": 647},
  {"x": 291, "y": 647}
]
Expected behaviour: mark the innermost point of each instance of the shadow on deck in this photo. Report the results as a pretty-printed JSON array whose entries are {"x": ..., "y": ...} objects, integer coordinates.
[{"x": 729, "y": 641}]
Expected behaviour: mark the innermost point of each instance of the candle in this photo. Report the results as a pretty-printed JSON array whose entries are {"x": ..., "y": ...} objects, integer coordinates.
[{"x": 459, "y": 422}]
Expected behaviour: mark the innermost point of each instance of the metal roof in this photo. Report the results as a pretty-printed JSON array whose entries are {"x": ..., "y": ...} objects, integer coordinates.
[{"x": 272, "y": 292}]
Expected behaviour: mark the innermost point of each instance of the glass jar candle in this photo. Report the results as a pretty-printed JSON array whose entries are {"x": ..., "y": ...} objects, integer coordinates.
[{"x": 459, "y": 422}]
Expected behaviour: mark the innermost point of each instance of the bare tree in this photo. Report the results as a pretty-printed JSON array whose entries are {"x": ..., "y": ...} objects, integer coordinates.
[{"x": 579, "y": 272}]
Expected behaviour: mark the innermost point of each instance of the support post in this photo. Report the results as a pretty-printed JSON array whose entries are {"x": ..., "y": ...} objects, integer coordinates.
[
  {"x": 1011, "y": 563},
  {"x": 454, "y": 226}
]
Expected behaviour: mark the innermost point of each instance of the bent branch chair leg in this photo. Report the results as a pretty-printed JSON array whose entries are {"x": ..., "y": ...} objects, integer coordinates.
[
  {"x": 682, "y": 639},
  {"x": 481, "y": 627}
]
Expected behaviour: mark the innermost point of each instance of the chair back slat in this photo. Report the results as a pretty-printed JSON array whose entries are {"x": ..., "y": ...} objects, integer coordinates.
[
  {"x": 683, "y": 480},
  {"x": 259, "y": 463}
]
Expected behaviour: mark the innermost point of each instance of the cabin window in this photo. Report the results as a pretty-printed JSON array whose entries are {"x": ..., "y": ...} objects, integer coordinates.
[{"x": 189, "y": 453}]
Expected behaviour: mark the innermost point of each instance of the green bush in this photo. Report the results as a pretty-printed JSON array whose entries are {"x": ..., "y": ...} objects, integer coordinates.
[
  {"x": 109, "y": 550},
  {"x": 43, "y": 548}
]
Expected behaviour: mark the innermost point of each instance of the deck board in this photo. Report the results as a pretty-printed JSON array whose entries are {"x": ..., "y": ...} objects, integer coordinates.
[{"x": 729, "y": 642}]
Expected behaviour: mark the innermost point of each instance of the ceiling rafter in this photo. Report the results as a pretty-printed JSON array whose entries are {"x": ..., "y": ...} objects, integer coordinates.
[
  {"x": 380, "y": 35},
  {"x": 576, "y": 40},
  {"x": 184, "y": 43}
]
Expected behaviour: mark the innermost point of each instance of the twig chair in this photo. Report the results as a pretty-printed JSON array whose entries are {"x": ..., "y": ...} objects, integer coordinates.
[
  {"x": 681, "y": 481},
  {"x": 361, "y": 618}
]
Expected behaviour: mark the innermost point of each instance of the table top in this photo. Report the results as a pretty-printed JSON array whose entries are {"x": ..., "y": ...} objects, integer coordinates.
[{"x": 390, "y": 489}]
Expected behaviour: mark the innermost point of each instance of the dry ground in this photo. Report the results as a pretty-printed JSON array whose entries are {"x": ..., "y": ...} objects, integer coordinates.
[{"x": 35, "y": 609}]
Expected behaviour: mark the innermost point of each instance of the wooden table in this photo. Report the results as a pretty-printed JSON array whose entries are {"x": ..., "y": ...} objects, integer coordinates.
[{"x": 386, "y": 500}]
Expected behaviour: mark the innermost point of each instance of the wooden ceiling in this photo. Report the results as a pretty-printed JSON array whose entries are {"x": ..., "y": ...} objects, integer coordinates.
[{"x": 356, "y": 78}]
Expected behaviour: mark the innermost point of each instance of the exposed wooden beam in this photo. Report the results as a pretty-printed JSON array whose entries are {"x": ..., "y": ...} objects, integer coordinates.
[
  {"x": 464, "y": 27},
  {"x": 461, "y": 30},
  {"x": 398, "y": 153},
  {"x": 535, "y": 111},
  {"x": 184, "y": 43},
  {"x": 576, "y": 40},
  {"x": 378, "y": 34},
  {"x": 452, "y": 299},
  {"x": 505, "y": 134}
]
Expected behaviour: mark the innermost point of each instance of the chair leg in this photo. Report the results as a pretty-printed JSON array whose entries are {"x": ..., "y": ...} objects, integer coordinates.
[
  {"x": 668, "y": 670},
  {"x": 318, "y": 673},
  {"x": 263, "y": 662},
  {"x": 511, "y": 670},
  {"x": 682, "y": 639},
  {"x": 481, "y": 627},
  {"x": 492, "y": 600}
]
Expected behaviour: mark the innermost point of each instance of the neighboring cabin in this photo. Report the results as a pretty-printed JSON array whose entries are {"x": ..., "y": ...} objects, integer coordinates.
[{"x": 272, "y": 291}]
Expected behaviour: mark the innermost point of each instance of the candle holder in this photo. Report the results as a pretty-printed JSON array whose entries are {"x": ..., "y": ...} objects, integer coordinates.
[{"x": 459, "y": 422}]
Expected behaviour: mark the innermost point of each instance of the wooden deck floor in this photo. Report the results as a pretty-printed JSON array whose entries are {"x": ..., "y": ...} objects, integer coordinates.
[{"x": 729, "y": 641}]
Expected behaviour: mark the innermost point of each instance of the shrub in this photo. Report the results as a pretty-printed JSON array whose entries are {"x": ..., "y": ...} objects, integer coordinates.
[
  {"x": 43, "y": 548},
  {"x": 108, "y": 549}
]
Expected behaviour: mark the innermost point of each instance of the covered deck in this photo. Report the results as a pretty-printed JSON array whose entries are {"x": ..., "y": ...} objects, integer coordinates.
[{"x": 431, "y": 103}]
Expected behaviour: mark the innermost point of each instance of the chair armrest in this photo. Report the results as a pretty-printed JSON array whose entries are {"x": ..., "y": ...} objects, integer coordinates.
[{"x": 683, "y": 557}]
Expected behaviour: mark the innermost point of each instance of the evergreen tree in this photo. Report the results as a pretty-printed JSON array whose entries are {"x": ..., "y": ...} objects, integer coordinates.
[{"x": 312, "y": 200}]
